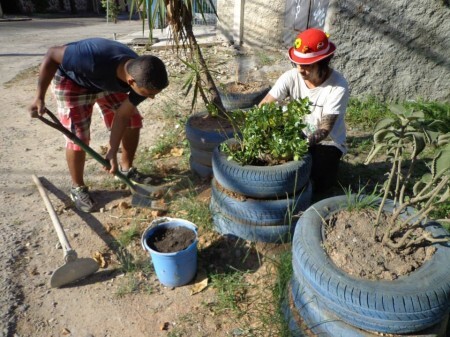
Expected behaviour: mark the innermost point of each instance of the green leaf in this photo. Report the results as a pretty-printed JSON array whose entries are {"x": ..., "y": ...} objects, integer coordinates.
[
  {"x": 441, "y": 162},
  {"x": 418, "y": 139},
  {"x": 384, "y": 124}
]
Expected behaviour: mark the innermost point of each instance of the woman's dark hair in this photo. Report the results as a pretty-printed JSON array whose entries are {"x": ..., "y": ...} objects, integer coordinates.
[
  {"x": 149, "y": 72},
  {"x": 324, "y": 65}
]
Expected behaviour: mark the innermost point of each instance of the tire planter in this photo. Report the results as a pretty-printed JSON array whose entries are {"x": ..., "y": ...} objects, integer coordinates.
[
  {"x": 319, "y": 319},
  {"x": 237, "y": 100},
  {"x": 409, "y": 304},
  {"x": 261, "y": 181},
  {"x": 202, "y": 143},
  {"x": 271, "y": 234},
  {"x": 263, "y": 220},
  {"x": 260, "y": 212}
]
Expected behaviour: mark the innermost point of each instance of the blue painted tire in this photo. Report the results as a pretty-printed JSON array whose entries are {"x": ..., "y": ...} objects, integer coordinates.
[
  {"x": 205, "y": 140},
  {"x": 201, "y": 170},
  {"x": 269, "y": 234},
  {"x": 408, "y": 304},
  {"x": 202, "y": 143},
  {"x": 261, "y": 181},
  {"x": 202, "y": 157},
  {"x": 261, "y": 212}
]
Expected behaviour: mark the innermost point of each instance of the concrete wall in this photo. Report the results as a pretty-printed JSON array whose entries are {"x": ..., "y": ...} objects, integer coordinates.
[
  {"x": 391, "y": 49},
  {"x": 262, "y": 22},
  {"x": 394, "y": 49}
]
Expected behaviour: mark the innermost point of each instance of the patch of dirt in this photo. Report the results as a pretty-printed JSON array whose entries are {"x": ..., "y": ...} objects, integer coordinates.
[
  {"x": 208, "y": 122},
  {"x": 171, "y": 240},
  {"x": 354, "y": 246},
  {"x": 242, "y": 88}
]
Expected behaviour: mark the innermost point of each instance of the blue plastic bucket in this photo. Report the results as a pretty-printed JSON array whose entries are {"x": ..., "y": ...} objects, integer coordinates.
[{"x": 177, "y": 268}]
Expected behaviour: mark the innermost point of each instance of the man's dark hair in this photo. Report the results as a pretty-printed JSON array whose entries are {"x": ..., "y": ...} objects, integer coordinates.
[{"x": 149, "y": 72}]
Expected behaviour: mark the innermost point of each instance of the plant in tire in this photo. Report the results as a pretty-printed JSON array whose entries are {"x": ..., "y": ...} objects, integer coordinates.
[
  {"x": 409, "y": 302},
  {"x": 405, "y": 137},
  {"x": 269, "y": 134}
]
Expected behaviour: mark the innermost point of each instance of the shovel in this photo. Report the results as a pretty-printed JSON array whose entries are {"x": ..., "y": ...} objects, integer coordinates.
[
  {"x": 143, "y": 195},
  {"x": 74, "y": 268}
]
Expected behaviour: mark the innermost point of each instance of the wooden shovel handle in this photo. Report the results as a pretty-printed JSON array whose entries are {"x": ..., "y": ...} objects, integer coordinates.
[{"x": 59, "y": 230}]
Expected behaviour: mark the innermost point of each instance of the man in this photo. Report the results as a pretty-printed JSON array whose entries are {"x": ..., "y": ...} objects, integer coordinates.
[
  {"x": 328, "y": 93},
  {"x": 112, "y": 76}
]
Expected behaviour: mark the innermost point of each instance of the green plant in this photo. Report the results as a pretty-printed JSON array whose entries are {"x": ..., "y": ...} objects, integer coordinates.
[
  {"x": 405, "y": 137},
  {"x": 366, "y": 113},
  {"x": 231, "y": 290},
  {"x": 112, "y": 9},
  {"x": 270, "y": 134},
  {"x": 359, "y": 200}
]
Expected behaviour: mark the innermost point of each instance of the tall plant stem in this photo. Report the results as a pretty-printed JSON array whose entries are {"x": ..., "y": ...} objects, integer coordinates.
[
  {"x": 387, "y": 187},
  {"x": 212, "y": 88}
]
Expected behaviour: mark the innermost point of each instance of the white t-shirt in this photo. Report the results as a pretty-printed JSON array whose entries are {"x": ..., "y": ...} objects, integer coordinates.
[{"x": 330, "y": 98}]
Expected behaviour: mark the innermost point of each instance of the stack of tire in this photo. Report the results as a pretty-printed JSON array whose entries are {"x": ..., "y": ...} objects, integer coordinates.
[
  {"x": 258, "y": 203},
  {"x": 332, "y": 303},
  {"x": 203, "y": 141}
]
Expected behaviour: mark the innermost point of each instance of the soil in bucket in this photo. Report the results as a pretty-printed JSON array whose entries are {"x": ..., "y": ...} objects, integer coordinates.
[{"x": 170, "y": 240}]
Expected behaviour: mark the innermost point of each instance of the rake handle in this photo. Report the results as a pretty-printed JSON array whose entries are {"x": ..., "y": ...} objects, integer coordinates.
[
  {"x": 58, "y": 228},
  {"x": 56, "y": 124}
]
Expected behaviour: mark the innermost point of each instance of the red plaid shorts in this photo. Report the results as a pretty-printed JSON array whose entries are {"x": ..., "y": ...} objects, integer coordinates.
[{"x": 75, "y": 105}]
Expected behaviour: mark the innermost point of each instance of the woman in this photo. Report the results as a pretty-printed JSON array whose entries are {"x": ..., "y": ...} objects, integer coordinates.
[{"x": 328, "y": 93}]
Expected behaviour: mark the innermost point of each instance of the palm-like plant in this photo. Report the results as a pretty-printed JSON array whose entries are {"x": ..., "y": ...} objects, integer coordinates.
[{"x": 179, "y": 16}]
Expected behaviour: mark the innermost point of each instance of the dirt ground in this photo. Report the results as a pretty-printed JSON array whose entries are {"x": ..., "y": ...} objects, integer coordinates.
[{"x": 30, "y": 252}]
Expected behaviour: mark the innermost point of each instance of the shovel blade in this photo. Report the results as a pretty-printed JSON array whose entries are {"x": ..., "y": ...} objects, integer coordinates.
[
  {"x": 73, "y": 271},
  {"x": 139, "y": 201},
  {"x": 148, "y": 191}
]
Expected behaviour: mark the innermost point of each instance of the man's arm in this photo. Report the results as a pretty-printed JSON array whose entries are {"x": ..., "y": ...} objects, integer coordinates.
[
  {"x": 47, "y": 70},
  {"x": 120, "y": 123}
]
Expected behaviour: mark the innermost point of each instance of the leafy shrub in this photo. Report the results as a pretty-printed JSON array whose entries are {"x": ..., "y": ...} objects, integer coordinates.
[{"x": 270, "y": 134}]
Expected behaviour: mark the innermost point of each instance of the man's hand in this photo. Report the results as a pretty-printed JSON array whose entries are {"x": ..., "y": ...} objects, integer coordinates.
[
  {"x": 37, "y": 108},
  {"x": 111, "y": 156}
]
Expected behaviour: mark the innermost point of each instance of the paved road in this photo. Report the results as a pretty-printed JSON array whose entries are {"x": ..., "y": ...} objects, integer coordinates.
[{"x": 24, "y": 43}]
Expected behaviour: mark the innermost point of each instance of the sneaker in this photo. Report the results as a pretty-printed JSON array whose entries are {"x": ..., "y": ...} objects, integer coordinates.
[
  {"x": 82, "y": 199},
  {"x": 136, "y": 176}
]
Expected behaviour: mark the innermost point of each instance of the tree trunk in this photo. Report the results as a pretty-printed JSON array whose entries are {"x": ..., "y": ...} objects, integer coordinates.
[
  {"x": 1, "y": 11},
  {"x": 211, "y": 86}
]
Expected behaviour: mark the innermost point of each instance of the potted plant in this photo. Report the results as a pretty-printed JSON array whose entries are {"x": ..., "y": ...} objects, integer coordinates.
[
  {"x": 261, "y": 177},
  {"x": 344, "y": 252}
]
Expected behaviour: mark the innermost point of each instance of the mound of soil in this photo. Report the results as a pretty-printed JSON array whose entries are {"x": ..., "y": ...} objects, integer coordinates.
[
  {"x": 354, "y": 245},
  {"x": 171, "y": 240}
]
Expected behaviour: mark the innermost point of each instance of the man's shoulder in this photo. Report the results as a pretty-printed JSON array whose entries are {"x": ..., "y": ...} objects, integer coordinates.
[{"x": 99, "y": 43}]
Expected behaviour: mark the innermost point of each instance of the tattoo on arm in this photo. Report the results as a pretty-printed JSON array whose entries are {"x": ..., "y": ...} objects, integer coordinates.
[{"x": 324, "y": 129}]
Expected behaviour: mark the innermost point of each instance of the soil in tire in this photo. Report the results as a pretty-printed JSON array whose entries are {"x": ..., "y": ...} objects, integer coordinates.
[{"x": 171, "y": 240}]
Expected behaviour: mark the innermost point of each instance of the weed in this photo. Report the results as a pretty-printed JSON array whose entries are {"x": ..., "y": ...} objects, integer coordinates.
[
  {"x": 358, "y": 201},
  {"x": 366, "y": 113},
  {"x": 128, "y": 285},
  {"x": 231, "y": 291}
]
